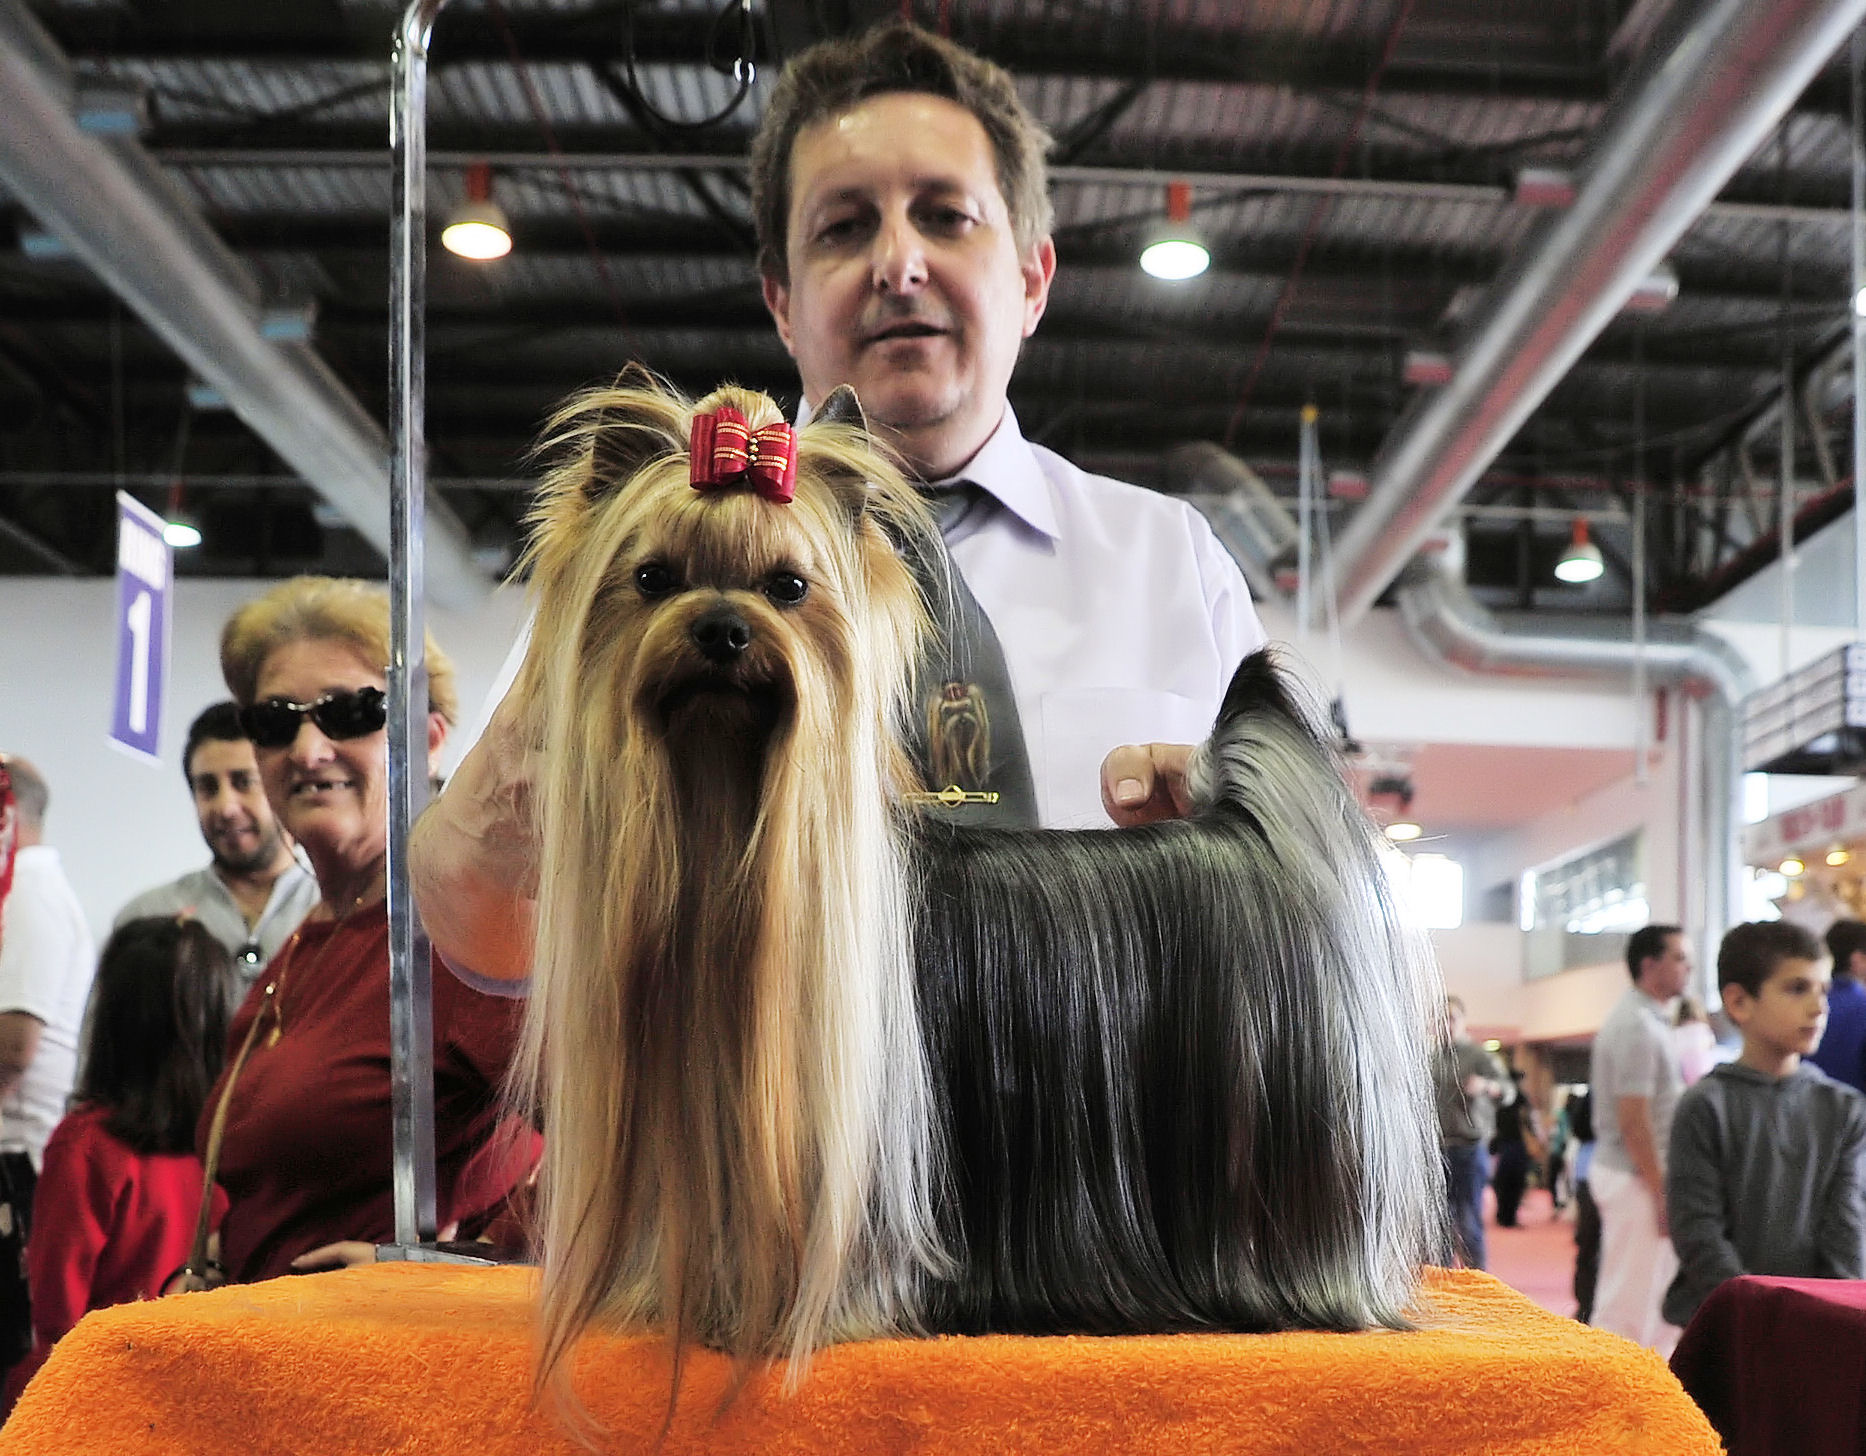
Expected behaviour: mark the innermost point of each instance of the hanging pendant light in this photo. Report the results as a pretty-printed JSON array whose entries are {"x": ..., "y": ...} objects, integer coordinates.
[
  {"x": 1581, "y": 561},
  {"x": 477, "y": 228},
  {"x": 1176, "y": 252}
]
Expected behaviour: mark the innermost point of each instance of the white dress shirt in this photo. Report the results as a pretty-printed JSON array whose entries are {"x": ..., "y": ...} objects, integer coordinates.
[
  {"x": 1121, "y": 616},
  {"x": 47, "y": 960}
]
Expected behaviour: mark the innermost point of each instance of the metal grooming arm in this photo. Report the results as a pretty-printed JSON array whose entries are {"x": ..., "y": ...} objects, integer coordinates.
[{"x": 411, "y": 987}]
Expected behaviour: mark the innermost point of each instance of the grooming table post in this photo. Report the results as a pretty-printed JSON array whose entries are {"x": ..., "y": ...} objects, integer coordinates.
[{"x": 411, "y": 997}]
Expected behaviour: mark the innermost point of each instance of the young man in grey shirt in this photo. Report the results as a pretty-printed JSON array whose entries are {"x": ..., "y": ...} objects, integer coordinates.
[
  {"x": 1636, "y": 1086},
  {"x": 1764, "y": 1176}
]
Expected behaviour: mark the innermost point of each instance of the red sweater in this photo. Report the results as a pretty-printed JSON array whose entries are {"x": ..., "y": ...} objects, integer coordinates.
[
  {"x": 108, "y": 1226},
  {"x": 307, "y": 1156}
]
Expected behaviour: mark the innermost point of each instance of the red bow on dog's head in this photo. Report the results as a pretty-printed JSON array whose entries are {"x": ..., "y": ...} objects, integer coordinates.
[{"x": 726, "y": 451}]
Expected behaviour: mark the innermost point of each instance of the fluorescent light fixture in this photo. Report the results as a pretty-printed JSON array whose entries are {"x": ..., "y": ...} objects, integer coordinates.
[
  {"x": 1176, "y": 252},
  {"x": 1581, "y": 562},
  {"x": 1404, "y": 831}
]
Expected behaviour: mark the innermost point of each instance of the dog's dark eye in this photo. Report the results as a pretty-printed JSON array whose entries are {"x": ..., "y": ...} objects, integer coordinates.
[
  {"x": 655, "y": 579},
  {"x": 786, "y": 588}
]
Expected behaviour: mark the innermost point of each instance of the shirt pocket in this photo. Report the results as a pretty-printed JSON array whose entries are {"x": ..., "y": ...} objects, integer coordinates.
[{"x": 1081, "y": 726}]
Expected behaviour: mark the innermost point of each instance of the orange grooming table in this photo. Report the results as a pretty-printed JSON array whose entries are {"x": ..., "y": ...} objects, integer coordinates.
[{"x": 436, "y": 1359}]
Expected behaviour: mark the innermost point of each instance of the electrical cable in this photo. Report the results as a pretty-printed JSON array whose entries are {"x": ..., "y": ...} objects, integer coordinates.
[{"x": 744, "y": 68}]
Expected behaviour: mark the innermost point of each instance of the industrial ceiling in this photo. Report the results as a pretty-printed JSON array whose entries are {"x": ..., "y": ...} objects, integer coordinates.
[{"x": 1371, "y": 176}]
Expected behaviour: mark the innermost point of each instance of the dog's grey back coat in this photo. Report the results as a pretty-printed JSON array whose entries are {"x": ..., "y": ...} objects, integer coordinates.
[{"x": 1182, "y": 1072}]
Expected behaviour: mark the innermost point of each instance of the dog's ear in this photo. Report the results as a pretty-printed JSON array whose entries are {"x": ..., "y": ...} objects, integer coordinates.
[
  {"x": 620, "y": 444},
  {"x": 843, "y": 408},
  {"x": 636, "y": 420}
]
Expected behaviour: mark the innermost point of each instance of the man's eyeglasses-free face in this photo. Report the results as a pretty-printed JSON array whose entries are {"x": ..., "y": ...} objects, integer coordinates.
[{"x": 274, "y": 723}]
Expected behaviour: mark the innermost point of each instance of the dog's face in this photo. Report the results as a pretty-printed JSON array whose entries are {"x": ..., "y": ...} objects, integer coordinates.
[
  {"x": 721, "y": 614},
  {"x": 715, "y": 606}
]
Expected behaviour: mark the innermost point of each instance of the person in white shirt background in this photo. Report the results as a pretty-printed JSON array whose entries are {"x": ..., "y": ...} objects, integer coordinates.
[
  {"x": 47, "y": 960},
  {"x": 902, "y": 209}
]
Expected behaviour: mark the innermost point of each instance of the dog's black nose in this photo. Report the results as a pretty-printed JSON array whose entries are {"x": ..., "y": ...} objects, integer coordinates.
[{"x": 721, "y": 634}]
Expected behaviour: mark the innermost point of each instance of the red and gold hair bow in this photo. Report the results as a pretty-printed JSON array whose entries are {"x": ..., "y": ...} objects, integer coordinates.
[{"x": 726, "y": 451}]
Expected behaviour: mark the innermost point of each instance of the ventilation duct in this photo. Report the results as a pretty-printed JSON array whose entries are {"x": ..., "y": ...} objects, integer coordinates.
[
  {"x": 1449, "y": 625},
  {"x": 1683, "y": 125},
  {"x": 1245, "y": 514}
]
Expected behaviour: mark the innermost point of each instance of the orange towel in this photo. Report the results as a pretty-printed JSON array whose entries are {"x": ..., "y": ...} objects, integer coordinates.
[{"x": 436, "y": 1359}]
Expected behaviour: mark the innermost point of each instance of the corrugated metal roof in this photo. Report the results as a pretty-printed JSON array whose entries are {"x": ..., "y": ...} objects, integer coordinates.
[
  {"x": 321, "y": 191},
  {"x": 1118, "y": 24},
  {"x": 228, "y": 91},
  {"x": 570, "y": 276}
]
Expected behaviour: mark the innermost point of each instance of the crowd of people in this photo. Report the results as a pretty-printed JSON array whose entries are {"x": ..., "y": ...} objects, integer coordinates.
[
  {"x": 229, "y": 1118},
  {"x": 1689, "y": 1163}
]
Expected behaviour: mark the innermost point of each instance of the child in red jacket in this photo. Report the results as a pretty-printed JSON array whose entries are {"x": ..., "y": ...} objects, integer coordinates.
[{"x": 120, "y": 1189}]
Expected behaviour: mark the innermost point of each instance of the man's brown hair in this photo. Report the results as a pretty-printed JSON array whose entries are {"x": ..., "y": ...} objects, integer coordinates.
[{"x": 835, "y": 76}]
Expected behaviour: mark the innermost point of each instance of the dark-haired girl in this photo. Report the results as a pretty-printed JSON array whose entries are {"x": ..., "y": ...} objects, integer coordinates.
[{"x": 121, "y": 1186}]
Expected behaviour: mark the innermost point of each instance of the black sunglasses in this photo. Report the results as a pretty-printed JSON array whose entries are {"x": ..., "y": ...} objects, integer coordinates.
[{"x": 274, "y": 723}]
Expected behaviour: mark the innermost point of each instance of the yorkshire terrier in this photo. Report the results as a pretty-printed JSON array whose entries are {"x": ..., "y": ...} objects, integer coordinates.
[{"x": 814, "y": 1065}]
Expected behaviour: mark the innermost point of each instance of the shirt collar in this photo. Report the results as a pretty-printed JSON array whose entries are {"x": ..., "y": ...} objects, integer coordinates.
[{"x": 1006, "y": 469}]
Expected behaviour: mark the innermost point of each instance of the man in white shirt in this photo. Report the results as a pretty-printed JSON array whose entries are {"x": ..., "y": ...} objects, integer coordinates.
[
  {"x": 253, "y": 893},
  {"x": 902, "y": 210},
  {"x": 1635, "y": 1083},
  {"x": 47, "y": 959}
]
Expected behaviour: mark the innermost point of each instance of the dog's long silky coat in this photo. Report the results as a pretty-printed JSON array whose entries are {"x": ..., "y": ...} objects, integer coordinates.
[{"x": 814, "y": 1067}]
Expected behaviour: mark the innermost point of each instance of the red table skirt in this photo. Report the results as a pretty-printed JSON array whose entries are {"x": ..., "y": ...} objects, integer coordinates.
[{"x": 1779, "y": 1365}]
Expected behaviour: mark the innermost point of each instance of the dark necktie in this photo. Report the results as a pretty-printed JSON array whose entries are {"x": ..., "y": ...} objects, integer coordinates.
[{"x": 969, "y": 741}]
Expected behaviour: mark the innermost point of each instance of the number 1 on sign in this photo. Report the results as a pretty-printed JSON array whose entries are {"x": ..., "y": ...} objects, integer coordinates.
[{"x": 138, "y": 618}]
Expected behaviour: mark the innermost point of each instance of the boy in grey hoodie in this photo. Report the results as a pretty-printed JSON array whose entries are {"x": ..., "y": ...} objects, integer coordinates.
[{"x": 1765, "y": 1176}]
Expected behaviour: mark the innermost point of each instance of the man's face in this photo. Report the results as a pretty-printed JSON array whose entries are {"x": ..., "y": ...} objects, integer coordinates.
[
  {"x": 1668, "y": 973},
  {"x": 230, "y": 801},
  {"x": 905, "y": 281}
]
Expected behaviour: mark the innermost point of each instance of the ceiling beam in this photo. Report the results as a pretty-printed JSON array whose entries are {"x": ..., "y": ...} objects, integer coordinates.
[
  {"x": 512, "y": 148},
  {"x": 117, "y": 212},
  {"x": 1291, "y": 59}
]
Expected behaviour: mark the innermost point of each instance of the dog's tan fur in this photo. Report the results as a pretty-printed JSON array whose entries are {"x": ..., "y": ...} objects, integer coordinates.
[{"x": 721, "y": 1035}]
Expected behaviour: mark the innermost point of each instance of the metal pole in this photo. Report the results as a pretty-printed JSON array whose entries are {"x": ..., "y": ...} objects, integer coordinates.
[
  {"x": 1305, "y": 523},
  {"x": 1858, "y": 65},
  {"x": 411, "y": 989}
]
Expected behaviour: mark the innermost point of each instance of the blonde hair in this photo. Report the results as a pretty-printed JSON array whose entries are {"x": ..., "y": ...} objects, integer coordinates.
[
  {"x": 720, "y": 1036},
  {"x": 327, "y": 609}
]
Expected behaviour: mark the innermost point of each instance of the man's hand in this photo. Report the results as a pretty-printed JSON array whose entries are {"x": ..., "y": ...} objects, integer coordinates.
[
  {"x": 1143, "y": 783},
  {"x": 344, "y": 1254}
]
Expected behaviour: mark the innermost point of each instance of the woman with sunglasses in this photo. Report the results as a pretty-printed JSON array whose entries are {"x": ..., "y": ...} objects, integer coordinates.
[{"x": 304, "y": 1154}]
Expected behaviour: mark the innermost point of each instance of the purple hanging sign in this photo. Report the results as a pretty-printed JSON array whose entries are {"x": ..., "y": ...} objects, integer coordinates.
[{"x": 143, "y": 579}]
